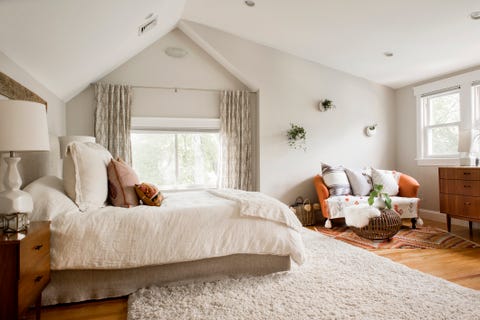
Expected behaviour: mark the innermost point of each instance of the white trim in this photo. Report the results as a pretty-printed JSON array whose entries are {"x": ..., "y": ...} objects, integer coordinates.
[
  {"x": 175, "y": 124},
  {"x": 438, "y": 162},
  {"x": 463, "y": 79}
]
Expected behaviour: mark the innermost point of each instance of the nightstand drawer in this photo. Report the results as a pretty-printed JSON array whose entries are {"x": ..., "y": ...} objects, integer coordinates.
[
  {"x": 33, "y": 249},
  {"x": 32, "y": 283}
]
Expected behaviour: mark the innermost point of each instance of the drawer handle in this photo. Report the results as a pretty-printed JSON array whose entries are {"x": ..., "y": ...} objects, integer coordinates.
[
  {"x": 38, "y": 278},
  {"x": 467, "y": 203},
  {"x": 467, "y": 186},
  {"x": 38, "y": 247},
  {"x": 467, "y": 173}
]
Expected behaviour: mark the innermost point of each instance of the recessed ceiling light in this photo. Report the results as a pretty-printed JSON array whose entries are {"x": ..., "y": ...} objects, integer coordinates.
[
  {"x": 388, "y": 54},
  {"x": 475, "y": 15},
  {"x": 176, "y": 52},
  {"x": 250, "y": 3}
]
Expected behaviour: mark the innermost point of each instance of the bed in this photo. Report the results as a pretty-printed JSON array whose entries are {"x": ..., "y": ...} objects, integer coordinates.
[{"x": 113, "y": 251}]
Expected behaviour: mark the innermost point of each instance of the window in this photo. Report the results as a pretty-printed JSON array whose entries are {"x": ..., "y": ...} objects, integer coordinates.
[
  {"x": 442, "y": 121},
  {"x": 448, "y": 113},
  {"x": 183, "y": 159}
]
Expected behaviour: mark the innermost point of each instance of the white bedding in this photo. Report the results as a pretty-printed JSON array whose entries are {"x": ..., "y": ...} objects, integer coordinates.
[{"x": 188, "y": 226}]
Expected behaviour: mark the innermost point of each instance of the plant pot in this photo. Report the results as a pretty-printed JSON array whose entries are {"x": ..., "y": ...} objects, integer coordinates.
[{"x": 379, "y": 203}]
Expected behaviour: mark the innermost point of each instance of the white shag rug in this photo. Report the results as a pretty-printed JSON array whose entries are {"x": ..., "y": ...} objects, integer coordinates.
[{"x": 338, "y": 281}]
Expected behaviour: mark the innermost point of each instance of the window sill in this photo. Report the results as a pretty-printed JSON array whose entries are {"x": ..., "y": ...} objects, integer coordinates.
[{"x": 435, "y": 162}]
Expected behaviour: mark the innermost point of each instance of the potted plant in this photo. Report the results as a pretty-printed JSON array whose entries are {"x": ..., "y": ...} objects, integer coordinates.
[
  {"x": 381, "y": 199},
  {"x": 297, "y": 137},
  {"x": 326, "y": 105}
]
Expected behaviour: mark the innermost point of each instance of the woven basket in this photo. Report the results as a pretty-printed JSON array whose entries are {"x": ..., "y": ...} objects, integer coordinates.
[
  {"x": 381, "y": 228},
  {"x": 303, "y": 209}
]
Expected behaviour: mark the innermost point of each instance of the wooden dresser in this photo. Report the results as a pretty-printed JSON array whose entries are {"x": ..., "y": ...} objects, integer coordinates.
[
  {"x": 460, "y": 193},
  {"x": 24, "y": 269}
]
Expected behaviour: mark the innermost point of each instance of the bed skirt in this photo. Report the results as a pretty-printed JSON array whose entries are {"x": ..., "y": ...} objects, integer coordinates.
[{"x": 80, "y": 285}]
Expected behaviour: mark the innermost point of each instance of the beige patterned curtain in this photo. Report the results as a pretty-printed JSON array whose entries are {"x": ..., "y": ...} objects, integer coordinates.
[
  {"x": 236, "y": 140},
  {"x": 112, "y": 119}
]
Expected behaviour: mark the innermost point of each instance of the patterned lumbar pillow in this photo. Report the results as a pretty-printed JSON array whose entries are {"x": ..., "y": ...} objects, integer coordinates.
[
  {"x": 387, "y": 180},
  {"x": 149, "y": 194},
  {"x": 360, "y": 182},
  {"x": 121, "y": 181},
  {"x": 336, "y": 180}
]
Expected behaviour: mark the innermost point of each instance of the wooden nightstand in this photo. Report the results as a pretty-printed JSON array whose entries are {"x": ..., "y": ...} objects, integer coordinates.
[{"x": 24, "y": 269}]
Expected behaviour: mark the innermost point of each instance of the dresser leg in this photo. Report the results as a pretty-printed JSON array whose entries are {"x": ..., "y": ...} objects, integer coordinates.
[
  {"x": 470, "y": 228},
  {"x": 38, "y": 307},
  {"x": 449, "y": 223}
]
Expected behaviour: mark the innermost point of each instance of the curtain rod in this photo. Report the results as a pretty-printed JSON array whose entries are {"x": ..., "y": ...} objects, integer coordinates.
[{"x": 178, "y": 88}]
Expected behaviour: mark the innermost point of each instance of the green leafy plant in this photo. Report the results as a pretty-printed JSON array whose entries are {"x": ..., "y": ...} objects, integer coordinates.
[
  {"x": 297, "y": 137},
  {"x": 377, "y": 193},
  {"x": 327, "y": 104}
]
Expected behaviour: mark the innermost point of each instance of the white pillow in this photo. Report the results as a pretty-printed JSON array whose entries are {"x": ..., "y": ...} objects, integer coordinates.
[
  {"x": 387, "y": 180},
  {"x": 49, "y": 198},
  {"x": 85, "y": 174},
  {"x": 360, "y": 182},
  {"x": 336, "y": 180}
]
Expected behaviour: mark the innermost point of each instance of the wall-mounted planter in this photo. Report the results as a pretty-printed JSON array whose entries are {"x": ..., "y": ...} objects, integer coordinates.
[
  {"x": 371, "y": 130},
  {"x": 325, "y": 105}
]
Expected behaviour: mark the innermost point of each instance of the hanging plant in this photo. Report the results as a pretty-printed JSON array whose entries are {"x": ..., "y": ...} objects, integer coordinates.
[
  {"x": 326, "y": 105},
  {"x": 297, "y": 137}
]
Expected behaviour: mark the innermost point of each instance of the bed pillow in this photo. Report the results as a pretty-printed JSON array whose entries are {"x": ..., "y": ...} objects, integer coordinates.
[
  {"x": 387, "y": 180},
  {"x": 336, "y": 180},
  {"x": 85, "y": 174},
  {"x": 149, "y": 194},
  {"x": 49, "y": 199},
  {"x": 360, "y": 182},
  {"x": 121, "y": 184}
]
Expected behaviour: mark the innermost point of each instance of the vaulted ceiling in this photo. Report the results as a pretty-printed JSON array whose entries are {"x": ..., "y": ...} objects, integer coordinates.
[{"x": 67, "y": 44}]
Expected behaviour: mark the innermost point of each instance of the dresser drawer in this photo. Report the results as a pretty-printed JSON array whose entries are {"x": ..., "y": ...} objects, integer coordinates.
[
  {"x": 447, "y": 173},
  {"x": 458, "y": 205},
  {"x": 460, "y": 187},
  {"x": 32, "y": 283},
  {"x": 467, "y": 174},
  {"x": 33, "y": 249}
]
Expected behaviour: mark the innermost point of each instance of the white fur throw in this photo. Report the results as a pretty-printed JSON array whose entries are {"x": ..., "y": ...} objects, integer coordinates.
[{"x": 359, "y": 216}]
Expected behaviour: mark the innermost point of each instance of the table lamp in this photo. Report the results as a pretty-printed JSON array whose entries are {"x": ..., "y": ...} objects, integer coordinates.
[
  {"x": 467, "y": 146},
  {"x": 23, "y": 127}
]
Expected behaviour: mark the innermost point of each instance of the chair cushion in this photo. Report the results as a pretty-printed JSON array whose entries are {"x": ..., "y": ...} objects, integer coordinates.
[{"x": 406, "y": 207}]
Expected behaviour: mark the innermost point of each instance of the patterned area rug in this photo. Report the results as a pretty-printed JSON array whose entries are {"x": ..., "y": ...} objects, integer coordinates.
[{"x": 406, "y": 238}]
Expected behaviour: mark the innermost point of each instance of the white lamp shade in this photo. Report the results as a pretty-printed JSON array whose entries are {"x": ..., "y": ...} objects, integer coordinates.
[
  {"x": 467, "y": 141},
  {"x": 23, "y": 126},
  {"x": 66, "y": 140}
]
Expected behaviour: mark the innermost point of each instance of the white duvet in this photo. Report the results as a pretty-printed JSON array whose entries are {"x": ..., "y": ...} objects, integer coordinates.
[{"x": 188, "y": 226}]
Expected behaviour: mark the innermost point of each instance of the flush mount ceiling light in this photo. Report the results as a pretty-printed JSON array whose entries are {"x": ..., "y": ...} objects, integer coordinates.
[
  {"x": 250, "y": 3},
  {"x": 176, "y": 52},
  {"x": 388, "y": 54},
  {"x": 475, "y": 15}
]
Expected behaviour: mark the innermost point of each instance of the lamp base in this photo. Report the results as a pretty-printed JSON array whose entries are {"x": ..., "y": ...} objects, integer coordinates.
[{"x": 12, "y": 201}]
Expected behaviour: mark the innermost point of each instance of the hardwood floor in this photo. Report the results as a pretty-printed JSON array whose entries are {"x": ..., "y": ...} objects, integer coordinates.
[{"x": 461, "y": 266}]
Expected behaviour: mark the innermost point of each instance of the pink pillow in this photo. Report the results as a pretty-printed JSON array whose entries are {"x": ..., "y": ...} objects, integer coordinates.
[{"x": 121, "y": 182}]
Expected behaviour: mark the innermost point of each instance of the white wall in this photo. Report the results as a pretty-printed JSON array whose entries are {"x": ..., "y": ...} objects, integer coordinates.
[
  {"x": 289, "y": 90},
  {"x": 34, "y": 165},
  {"x": 152, "y": 67}
]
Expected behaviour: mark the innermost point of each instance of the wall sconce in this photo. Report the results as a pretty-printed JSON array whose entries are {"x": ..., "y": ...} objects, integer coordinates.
[{"x": 371, "y": 130}]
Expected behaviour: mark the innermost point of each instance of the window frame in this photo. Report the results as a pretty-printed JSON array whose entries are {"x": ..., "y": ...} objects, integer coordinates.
[
  {"x": 428, "y": 127},
  {"x": 464, "y": 84},
  {"x": 161, "y": 125}
]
